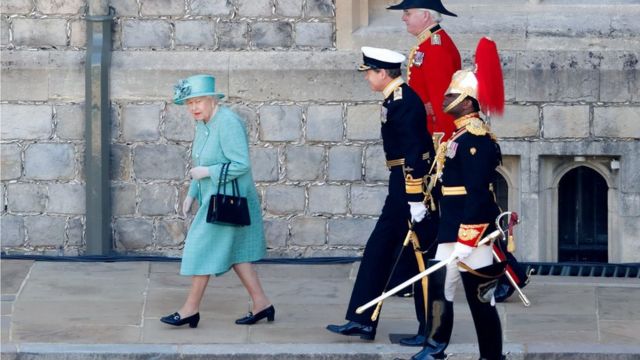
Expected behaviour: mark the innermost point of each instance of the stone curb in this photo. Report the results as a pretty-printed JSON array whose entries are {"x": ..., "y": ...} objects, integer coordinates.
[{"x": 303, "y": 351}]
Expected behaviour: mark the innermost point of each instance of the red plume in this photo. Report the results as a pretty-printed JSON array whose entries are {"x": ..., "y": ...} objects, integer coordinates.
[{"x": 489, "y": 75}]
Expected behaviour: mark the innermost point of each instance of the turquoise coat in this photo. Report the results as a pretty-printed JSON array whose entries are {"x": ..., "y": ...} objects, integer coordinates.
[{"x": 211, "y": 249}]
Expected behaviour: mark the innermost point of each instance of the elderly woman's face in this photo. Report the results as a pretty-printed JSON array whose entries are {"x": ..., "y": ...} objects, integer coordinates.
[{"x": 201, "y": 107}]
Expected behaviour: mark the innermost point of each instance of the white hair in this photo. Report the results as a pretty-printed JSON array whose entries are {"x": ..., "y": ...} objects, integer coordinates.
[{"x": 436, "y": 16}]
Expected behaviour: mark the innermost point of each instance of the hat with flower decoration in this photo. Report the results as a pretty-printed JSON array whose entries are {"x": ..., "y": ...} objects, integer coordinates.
[{"x": 194, "y": 86}]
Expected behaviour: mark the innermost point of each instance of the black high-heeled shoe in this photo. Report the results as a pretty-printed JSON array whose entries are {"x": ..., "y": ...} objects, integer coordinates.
[
  {"x": 250, "y": 318},
  {"x": 175, "y": 320}
]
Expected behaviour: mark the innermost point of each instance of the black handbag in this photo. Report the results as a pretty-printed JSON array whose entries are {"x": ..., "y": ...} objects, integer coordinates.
[{"x": 228, "y": 209}]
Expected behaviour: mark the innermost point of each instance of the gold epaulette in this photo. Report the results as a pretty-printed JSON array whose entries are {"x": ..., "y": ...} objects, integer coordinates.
[
  {"x": 413, "y": 186},
  {"x": 477, "y": 127}
]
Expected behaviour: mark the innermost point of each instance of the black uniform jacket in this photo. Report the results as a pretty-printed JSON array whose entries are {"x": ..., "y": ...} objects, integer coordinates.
[
  {"x": 468, "y": 206},
  {"x": 405, "y": 137}
]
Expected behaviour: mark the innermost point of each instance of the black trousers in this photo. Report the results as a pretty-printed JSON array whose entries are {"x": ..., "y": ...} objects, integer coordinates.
[{"x": 382, "y": 249}]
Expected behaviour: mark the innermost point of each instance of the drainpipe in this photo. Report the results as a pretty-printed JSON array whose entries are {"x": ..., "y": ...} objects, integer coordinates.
[{"x": 97, "y": 128}]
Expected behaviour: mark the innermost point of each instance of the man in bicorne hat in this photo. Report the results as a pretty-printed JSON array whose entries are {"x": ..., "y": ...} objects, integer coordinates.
[
  {"x": 432, "y": 61},
  {"x": 409, "y": 152},
  {"x": 466, "y": 168}
]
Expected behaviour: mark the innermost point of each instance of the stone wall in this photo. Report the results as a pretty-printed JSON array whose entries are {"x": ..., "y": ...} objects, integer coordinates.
[{"x": 311, "y": 119}]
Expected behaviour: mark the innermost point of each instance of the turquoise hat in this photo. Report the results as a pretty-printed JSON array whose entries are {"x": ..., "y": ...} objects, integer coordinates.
[{"x": 194, "y": 86}]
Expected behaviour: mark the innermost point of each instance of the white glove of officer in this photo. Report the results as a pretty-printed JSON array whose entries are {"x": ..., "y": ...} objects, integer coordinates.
[
  {"x": 418, "y": 211},
  {"x": 461, "y": 250},
  {"x": 199, "y": 172},
  {"x": 186, "y": 205}
]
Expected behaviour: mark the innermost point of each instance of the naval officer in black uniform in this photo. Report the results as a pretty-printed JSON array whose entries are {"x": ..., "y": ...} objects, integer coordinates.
[{"x": 409, "y": 152}]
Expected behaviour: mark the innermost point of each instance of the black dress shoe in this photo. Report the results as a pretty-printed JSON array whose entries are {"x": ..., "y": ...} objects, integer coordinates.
[
  {"x": 416, "y": 340},
  {"x": 353, "y": 328},
  {"x": 175, "y": 320},
  {"x": 250, "y": 318}
]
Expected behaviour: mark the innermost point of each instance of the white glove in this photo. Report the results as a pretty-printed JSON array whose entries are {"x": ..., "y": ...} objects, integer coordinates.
[
  {"x": 186, "y": 205},
  {"x": 418, "y": 211},
  {"x": 199, "y": 172},
  {"x": 461, "y": 250}
]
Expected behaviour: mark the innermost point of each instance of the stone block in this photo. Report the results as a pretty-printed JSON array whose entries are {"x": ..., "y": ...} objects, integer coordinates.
[
  {"x": 25, "y": 122},
  {"x": 49, "y": 162},
  {"x": 66, "y": 199},
  {"x": 375, "y": 167},
  {"x": 350, "y": 231},
  {"x": 75, "y": 231},
  {"x": 61, "y": 6},
  {"x": 557, "y": 76},
  {"x": 324, "y": 123},
  {"x": 66, "y": 76},
  {"x": 12, "y": 230},
  {"x": 195, "y": 33},
  {"x": 166, "y": 162},
  {"x": 10, "y": 161},
  {"x": 43, "y": 230},
  {"x": 276, "y": 232},
  {"x": 157, "y": 199},
  {"x": 232, "y": 35},
  {"x": 308, "y": 231},
  {"x": 123, "y": 199},
  {"x": 304, "y": 162},
  {"x": 264, "y": 163},
  {"x": 284, "y": 199},
  {"x": 78, "y": 35},
  {"x": 170, "y": 232},
  {"x": 125, "y": 7},
  {"x": 565, "y": 121},
  {"x": 617, "y": 122},
  {"x": 23, "y": 197},
  {"x": 16, "y": 6},
  {"x": 255, "y": 8},
  {"x": 620, "y": 76},
  {"x": 280, "y": 122},
  {"x": 141, "y": 122},
  {"x": 367, "y": 200},
  {"x": 328, "y": 199},
  {"x": 23, "y": 73},
  {"x": 70, "y": 121},
  {"x": 162, "y": 8},
  {"x": 133, "y": 234},
  {"x": 291, "y": 8},
  {"x": 518, "y": 121},
  {"x": 178, "y": 124},
  {"x": 326, "y": 76},
  {"x": 222, "y": 8},
  {"x": 250, "y": 119},
  {"x": 146, "y": 33},
  {"x": 345, "y": 163},
  {"x": 363, "y": 122},
  {"x": 271, "y": 35},
  {"x": 40, "y": 32},
  {"x": 4, "y": 31},
  {"x": 318, "y": 35},
  {"x": 320, "y": 8},
  {"x": 121, "y": 165}
]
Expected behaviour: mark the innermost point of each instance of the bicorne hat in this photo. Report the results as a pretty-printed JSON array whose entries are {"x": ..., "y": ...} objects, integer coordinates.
[
  {"x": 194, "y": 86},
  {"x": 435, "y": 5}
]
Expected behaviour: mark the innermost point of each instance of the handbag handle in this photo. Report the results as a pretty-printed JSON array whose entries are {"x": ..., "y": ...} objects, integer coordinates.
[{"x": 222, "y": 180}]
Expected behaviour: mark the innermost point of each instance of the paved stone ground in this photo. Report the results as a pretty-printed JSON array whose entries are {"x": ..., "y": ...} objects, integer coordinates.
[{"x": 68, "y": 310}]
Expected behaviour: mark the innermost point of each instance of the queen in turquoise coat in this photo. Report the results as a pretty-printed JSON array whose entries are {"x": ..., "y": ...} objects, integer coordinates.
[{"x": 214, "y": 249}]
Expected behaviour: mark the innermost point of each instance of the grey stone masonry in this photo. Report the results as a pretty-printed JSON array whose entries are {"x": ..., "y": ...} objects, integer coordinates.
[
  {"x": 328, "y": 199},
  {"x": 26, "y": 121},
  {"x": 566, "y": 121},
  {"x": 308, "y": 231},
  {"x": 313, "y": 124}
]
